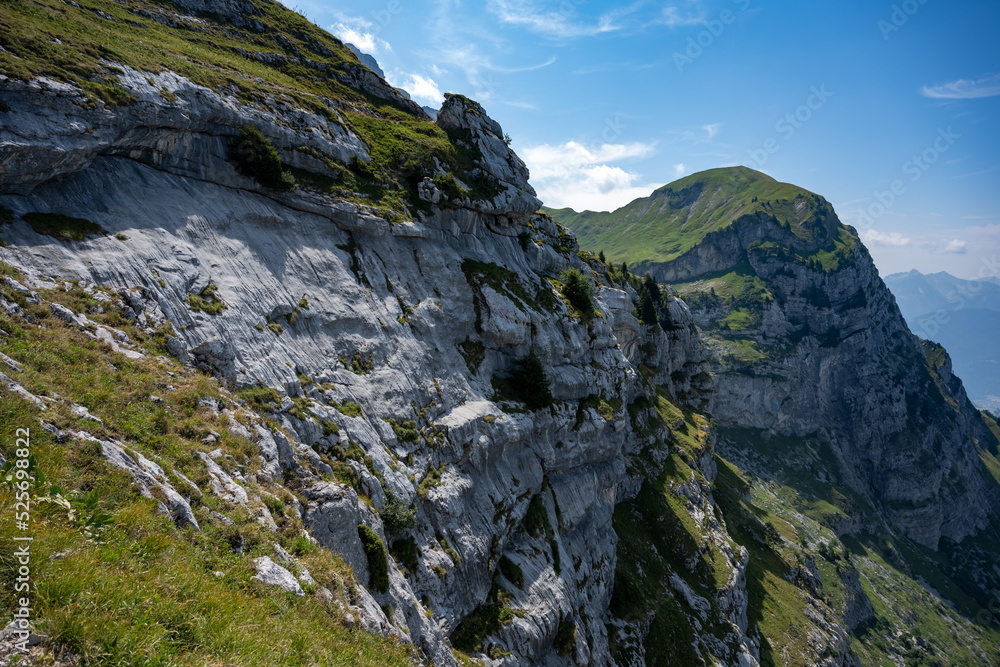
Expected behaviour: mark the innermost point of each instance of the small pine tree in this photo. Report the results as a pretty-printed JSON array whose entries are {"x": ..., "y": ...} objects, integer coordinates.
[
  {"x": 625, "y": 270},
  {"x": 652, "y": 288},
  {"x": 532, "y": 382},
  {"x": 576, "y": 289},
  {"x": 647, "y": 309},
  {"x": 600, "y": 257},
  {"x": 257, "y": 158}
]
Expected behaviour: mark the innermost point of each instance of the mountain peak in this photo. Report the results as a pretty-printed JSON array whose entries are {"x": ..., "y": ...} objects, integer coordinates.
[
  {"x": 736, "y": 176},
  {"x": 678, "y": 216}
]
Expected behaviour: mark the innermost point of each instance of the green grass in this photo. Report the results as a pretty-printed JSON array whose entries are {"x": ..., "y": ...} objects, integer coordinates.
[
  {"x": 431, "y": 480},
  {"x": 740, "y": 350},
  {"x": 140, "y": 591},
  {"x": 349, "y": 408},
  {"x": 609, "y": 409},
  {"x": 678, "y": 216},
  {"x": 207, "y": 301},
  {"x": 738, "y": 320},
  {"x": 405, "y": 431},
  {"x": 739, "y": 286},
  {"x": 63, "y": 227}
]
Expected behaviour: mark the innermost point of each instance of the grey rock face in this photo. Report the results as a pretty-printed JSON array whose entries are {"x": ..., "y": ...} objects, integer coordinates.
[
  {"x": 50, "y": 130},
  {"x": 217, "y": 356},
  {"x": 470, "y": 469},
  {"x": 147, "y": 475},
  {"x": 841, "y": 364},
  {"x": 273, "y": 574},
  {"x": 498, "y": 161},
  {"x": 366, "y": 59}
]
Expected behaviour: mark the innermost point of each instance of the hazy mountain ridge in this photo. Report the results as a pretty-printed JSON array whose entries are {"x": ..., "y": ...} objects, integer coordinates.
[{"x": 964, "y": 316}]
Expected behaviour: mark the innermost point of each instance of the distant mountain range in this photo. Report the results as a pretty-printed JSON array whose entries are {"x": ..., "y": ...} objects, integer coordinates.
[{"x": 962, "y": 315}]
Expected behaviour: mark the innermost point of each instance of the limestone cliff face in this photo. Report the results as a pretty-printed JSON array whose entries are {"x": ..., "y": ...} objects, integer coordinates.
[
  {"x": 334, "y": 305},
  {"x": 833, "y": 357}
]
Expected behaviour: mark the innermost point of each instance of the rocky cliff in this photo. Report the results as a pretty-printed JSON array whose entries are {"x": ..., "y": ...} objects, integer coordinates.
[
  {"x": 408, "y": 322},
  {"x": 820, "y": 387},
  {"x": 811, "y": 343},
  {"x": 486, "y": 444}
]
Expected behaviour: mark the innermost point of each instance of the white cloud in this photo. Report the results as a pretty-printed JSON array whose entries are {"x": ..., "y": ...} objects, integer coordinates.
[
  {"x": 672, "y": 19},
  {"x": 874, "y": 237},
  {"x": 356, "y": 30},
  {"x": 964, "y": 89},
  {"x": 966, "y": 252},
  {"x": 679, "y": 170},
  {"x": 480, "y": 70},
  {"x": 712, "y": 129},
  {"x": 578, "y": 176},
  {"x": 556, "y": 22},
  {"x": 421, "y": 88},
  {"x": 955, "y": 247}
]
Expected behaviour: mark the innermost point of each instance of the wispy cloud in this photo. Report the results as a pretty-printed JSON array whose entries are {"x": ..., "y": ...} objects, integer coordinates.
[
  {"x": 559, "y": 19},
  {"x": 966, "y": 252},
  {"x": 579, "y": 176},
  {"x": 712, "y": 129},
  {"x": 964, "y": 89},
  {"x": 421, "y": 88},
  {"x": 357, "y": 30},
  {"x": 679, "y": 170},
  {"x": 480, "y": 70},
  {"x": 955, "y": 247},
  {"x": 672, "y": 18},
  {"x": 520, "y": 105},
  {"x": 873, "y": 237}
]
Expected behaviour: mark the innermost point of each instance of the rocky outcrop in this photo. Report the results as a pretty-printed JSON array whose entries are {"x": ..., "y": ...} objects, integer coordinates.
[
  {"x": 467, "y": 122},
  {"x": 175, "y": 126}
]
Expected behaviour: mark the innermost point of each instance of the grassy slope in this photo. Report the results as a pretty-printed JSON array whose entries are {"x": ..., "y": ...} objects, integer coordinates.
[
  {"x": 677, "y": 216},
  {"x": 803, "y": 489},
  {"x": 142, "y": 592},
  {"x": 647, "y": 558}
]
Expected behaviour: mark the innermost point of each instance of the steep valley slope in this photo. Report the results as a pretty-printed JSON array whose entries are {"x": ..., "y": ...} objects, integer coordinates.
[
  {"x": 822, "y": 395},
  {"x": 311, "y": 380}
]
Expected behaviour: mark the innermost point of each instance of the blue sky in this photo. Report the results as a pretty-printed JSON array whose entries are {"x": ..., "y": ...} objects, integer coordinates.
[{"x": 891, "y": 110}]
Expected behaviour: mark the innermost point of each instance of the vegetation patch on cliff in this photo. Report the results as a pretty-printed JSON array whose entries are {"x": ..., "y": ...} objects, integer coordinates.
[
  {"x": 527, "y": 384},
  {"x": 62, "y": 227}
]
